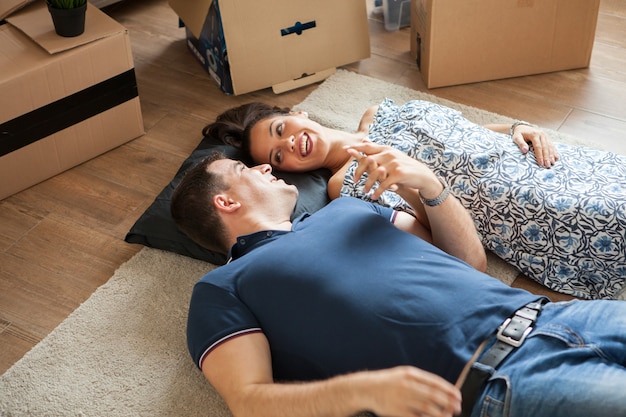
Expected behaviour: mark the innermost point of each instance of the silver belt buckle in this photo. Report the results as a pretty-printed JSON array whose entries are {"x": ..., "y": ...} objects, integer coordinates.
[{"x": 509, "y": 340}]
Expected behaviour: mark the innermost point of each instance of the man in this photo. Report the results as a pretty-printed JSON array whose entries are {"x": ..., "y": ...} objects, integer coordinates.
[{"x": 343, "y": 311}]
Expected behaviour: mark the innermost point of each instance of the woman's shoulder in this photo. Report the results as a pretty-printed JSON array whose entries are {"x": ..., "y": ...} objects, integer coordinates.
[
  {"x": 367, "y": 118},
  {"x": 370, "y": 113},
  {"x": 336, "y": 181}
]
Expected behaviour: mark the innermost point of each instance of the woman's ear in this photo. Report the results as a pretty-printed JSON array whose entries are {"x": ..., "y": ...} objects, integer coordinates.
[{"x": 225, "y": 204}]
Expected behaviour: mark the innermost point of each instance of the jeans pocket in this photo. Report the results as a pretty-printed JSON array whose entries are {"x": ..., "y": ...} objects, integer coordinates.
[{"x": 496, "y": 397}]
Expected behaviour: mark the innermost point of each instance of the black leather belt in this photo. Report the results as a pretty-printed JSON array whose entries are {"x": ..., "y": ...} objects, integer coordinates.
[{"x": 510, "y": 335}]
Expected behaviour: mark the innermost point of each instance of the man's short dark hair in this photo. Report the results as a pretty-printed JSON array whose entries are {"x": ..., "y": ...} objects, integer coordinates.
[{"x": 192, "y": 206}]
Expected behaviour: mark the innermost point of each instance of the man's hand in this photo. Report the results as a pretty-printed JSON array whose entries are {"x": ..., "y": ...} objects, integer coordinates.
[{"x": 407, "y": 391}]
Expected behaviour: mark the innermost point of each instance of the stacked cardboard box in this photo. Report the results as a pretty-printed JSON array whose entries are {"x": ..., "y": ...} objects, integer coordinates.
[{"x": 62, "y": 100}]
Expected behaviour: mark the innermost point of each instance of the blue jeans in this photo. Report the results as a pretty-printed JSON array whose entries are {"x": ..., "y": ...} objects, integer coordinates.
[{"x": 573, "y": 364}]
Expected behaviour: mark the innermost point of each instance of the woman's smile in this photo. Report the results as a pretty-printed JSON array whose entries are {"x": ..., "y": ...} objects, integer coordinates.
[{"x": 305, "y": 145}]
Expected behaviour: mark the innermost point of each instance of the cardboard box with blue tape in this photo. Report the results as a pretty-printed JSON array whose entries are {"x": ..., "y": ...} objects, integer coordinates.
[{"x": 248, "y": 45}]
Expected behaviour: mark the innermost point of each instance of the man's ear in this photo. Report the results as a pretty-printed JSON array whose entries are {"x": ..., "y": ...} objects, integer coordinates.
[{"x": 226, "y": 204}]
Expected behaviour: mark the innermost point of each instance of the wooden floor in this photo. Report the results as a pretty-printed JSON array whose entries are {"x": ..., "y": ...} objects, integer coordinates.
[{"x": 63, "y": 238}]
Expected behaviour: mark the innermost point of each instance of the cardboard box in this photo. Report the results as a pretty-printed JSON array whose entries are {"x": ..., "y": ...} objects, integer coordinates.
[
  {"x": 247, "y": 45},
  {"x": 9, "y": 6},
  {"x": 62, "y": 100},
  {"x": 465, "y": 41}
]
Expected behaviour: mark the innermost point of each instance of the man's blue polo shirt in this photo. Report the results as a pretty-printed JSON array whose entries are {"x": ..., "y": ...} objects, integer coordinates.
[{"x": 345, "y": 291}]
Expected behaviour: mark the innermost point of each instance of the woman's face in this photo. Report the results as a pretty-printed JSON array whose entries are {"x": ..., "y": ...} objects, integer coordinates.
[{"x": 290, "y": 142}]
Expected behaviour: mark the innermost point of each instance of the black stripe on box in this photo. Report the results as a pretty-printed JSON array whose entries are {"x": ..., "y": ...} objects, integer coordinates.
[{"x": 61, "y": 114}]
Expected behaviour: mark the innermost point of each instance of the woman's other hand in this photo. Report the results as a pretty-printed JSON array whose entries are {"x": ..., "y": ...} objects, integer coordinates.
[{"x": 543, "y": 147}]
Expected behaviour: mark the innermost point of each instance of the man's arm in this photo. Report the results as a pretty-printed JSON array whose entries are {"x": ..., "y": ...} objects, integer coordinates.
[
  {"x": 448, "y": 224},
  {"x": 240, "y": 370}
]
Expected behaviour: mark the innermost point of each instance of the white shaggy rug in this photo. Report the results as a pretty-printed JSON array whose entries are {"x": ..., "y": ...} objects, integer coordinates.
[{"x": 123, "y": 352}]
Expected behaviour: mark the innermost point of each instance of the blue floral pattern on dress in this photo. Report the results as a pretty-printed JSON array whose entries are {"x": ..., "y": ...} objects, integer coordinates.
[{"x": 564, "y": 227}]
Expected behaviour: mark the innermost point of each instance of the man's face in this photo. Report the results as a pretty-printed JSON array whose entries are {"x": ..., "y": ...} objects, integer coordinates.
[{"x": 256, "y": 187}]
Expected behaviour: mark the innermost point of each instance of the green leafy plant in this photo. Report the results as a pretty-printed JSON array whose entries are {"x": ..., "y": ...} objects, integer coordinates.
[{"x": 66, "y": 4}]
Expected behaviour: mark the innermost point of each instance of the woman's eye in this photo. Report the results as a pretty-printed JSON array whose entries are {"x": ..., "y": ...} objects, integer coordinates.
[
  {"x": 279, "y": 129},
  {"x": 278, "y": 156}
]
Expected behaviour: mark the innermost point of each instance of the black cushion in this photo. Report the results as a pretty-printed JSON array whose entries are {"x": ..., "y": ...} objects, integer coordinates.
[{"x": 155, "y": 228}]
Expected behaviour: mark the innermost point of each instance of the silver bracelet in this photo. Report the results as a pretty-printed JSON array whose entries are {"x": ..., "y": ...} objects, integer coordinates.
[
  {"x": 440, "y": 198},
  {"x": 517, "y": 123}
]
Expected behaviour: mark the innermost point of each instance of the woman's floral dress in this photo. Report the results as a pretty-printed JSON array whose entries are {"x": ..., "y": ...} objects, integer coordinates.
[{"x": 564, "y": 227}]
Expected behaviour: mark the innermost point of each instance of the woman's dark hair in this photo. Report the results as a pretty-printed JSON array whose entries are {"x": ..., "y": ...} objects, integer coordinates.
[
  {"x": 234, "y": 125},
  {"x": 192, "y": 206}
]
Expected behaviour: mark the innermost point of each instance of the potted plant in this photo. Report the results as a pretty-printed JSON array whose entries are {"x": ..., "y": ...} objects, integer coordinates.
[{"x": 68, "y": 16}]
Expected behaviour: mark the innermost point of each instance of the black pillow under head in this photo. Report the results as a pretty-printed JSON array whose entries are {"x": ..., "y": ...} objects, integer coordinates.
[{"x": 155, "y": 228}]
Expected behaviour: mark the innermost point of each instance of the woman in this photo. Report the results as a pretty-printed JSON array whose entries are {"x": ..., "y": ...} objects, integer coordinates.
[{"x": 563, "y": 227}]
